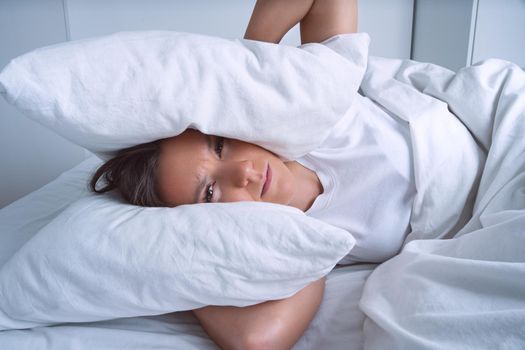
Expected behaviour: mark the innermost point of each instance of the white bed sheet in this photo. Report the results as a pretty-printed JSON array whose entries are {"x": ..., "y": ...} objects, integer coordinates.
[{"x": 337, "y": 325}]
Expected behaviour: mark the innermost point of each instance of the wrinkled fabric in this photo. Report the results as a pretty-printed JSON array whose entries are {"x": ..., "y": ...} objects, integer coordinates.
[{"x": 467, "y": 292}]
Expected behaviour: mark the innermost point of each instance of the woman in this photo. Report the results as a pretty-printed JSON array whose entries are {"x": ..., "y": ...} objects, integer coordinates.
[{"x": 351, "y": 173}]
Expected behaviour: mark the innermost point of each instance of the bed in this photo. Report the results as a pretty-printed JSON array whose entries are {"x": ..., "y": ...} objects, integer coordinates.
[{"x": 460, "y": 287}]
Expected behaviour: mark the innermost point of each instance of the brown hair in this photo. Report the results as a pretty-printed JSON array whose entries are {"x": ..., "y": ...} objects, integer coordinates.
[{"x": 132, "y": 172}]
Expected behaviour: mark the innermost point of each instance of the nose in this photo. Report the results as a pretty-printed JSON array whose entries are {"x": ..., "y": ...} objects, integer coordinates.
[{"x": 241, "y": 173}]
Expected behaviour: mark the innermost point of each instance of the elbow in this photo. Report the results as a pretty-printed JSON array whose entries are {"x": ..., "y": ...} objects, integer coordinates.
[
  {"x": 269, "y": 340},
  {"x": 258, "y": 341}
]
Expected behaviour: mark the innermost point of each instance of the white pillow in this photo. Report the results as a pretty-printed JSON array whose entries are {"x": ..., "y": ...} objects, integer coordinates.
[
  {"x": 103, "y": 259},
  {"x": 120, "y": 90}
]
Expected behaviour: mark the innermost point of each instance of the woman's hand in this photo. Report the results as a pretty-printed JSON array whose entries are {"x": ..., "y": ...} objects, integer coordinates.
[
  {"x": 319, "y": 19},
  {"x": 276, "y": 324}
]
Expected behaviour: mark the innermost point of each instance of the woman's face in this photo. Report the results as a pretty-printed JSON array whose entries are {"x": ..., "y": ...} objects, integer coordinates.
[{"x": 199, "y": 168}]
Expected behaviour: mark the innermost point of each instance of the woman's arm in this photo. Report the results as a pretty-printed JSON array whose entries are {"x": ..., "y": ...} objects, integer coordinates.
[
  {"x": 276, "y": 324},
  {"x": 272, "y": 19},
  {"x": 327, "y": 18},
  {"x": 319, "y": 19}
]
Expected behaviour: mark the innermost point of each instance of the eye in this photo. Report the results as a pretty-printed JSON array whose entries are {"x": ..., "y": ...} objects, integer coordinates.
[
  {"x": 208, "y": 196},
  {"x": 219, "y": 146}
]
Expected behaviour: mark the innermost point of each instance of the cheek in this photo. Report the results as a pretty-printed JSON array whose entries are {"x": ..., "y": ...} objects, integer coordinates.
[
  {"x": 235, "y": 195},
  {"x": 285, "y": 191},
  {"x": 284, "y": 186}
]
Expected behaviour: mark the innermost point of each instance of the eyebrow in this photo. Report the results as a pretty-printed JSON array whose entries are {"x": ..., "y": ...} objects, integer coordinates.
[{"x": 202, "y": 179}]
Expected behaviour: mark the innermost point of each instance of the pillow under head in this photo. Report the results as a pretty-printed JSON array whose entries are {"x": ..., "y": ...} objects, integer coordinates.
[{"x": 103, "y": 259}]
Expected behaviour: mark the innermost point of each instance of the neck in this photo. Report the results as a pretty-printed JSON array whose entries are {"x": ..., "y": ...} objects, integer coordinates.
[{"x": 307, "y": 188}]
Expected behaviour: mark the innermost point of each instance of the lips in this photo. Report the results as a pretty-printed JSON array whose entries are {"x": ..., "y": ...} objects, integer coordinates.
[{"x": 268, "y": 180}]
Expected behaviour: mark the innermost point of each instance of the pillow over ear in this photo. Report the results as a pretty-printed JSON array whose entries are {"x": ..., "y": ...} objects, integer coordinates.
[
  {"x": 115, "y": 91},
  {"x": 101, "y": 259}
]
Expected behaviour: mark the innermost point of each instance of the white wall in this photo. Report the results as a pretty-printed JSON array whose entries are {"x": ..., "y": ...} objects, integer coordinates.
[
  {"x": 458, "y": 33},
  {"x": 31, "y": 156},
  {"x": 500, "y": 31},
  {"x": 442, "y": 31},
  {"x": 389, "y": 23}
]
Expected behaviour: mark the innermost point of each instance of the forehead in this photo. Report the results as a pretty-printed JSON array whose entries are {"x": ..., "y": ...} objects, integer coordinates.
[{"x": 181, "y": 166}]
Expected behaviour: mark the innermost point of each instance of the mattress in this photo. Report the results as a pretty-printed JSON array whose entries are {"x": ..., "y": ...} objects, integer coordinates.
[{"x": 337, "y": 325}]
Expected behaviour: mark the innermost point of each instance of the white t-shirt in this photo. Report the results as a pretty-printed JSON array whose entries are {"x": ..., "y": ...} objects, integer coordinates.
[{"x": 365, "y": 167}]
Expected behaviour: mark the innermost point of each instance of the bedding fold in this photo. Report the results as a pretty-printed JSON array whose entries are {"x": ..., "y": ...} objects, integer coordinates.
[
  {"x": 466, "y": 292},
  {"x": 447, "y": 160}
]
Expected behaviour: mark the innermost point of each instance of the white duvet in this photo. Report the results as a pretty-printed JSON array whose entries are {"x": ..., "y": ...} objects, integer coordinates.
[{"x": 467, "y": 292}]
